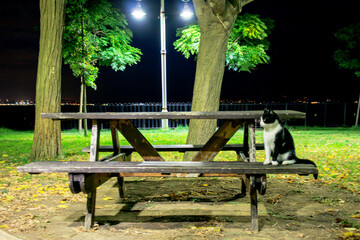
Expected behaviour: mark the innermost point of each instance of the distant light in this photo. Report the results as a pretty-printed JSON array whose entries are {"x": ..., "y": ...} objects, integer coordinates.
[
  {"x": 186, "y": 13},
  {"x": 138, "y": 11}
]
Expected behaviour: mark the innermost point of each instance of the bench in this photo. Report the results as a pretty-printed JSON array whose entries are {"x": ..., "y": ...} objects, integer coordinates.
[
  {"x": 87, "y": 176},
  {"x": 128, "y": 150}
]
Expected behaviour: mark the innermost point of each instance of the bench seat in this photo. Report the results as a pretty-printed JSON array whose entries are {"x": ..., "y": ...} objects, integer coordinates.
[{"x": 167, "y": 167}]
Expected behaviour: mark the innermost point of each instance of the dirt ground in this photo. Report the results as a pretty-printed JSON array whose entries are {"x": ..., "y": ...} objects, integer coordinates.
[{"x": 206, "y": 208}]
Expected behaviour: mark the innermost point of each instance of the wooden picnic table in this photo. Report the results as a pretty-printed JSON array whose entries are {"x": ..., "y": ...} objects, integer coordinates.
[{"x": 86, "y": 177}]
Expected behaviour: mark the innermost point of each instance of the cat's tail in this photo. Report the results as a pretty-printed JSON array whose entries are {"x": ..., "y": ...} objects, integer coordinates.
[{"x": 305, "y": 161}]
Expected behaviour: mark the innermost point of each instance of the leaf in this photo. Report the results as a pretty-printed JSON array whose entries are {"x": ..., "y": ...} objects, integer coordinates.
[
  {"x": 5, "y": 226},
  {"x": 108, "y": 198},
  {"x": 62, "y": 206}
]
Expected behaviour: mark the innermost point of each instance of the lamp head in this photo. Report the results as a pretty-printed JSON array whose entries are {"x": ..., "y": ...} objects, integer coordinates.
[
  {"x": 138, "y": 12},
  {"x": 186, "y": 13}
]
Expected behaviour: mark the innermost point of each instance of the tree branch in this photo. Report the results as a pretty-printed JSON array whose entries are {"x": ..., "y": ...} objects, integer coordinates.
[{"x": 244, "y": 2}]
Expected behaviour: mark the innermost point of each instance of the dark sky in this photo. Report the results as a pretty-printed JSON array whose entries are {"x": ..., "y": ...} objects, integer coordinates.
[{"x": 302, "y": 45}]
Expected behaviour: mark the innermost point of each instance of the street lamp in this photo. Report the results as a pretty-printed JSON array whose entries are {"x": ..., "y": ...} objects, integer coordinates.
[{"x": 186, "y": 14}]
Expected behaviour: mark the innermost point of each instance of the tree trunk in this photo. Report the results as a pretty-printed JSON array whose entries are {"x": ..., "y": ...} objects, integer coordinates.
[
  {"x": 357, "y": 114},
  {"x": 81, "y": 104},
  {"x": 216, "y": 20},
  {"x": 85, "y": 110},
  {"x": 47, "y": 133}
]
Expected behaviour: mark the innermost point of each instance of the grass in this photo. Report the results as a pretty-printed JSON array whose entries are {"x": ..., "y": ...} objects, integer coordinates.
[{"x": 336, "y": 151}]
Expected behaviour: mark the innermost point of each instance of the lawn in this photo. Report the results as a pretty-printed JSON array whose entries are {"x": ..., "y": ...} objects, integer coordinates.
[{"x": 336, "y": 152}]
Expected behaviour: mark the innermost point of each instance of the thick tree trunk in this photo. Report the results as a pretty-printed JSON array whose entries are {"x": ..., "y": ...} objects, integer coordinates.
[
  {"x": 216, "y": 20},
  {"x": 207, "y": 86},
  {"x": 47, "y": 133}
]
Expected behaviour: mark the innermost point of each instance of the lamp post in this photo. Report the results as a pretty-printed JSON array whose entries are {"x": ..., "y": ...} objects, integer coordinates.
[{"x": 186, "y": 14}]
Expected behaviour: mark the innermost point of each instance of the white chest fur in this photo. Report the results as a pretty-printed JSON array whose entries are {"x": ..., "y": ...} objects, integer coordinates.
[{"x": 270, "y": 131}]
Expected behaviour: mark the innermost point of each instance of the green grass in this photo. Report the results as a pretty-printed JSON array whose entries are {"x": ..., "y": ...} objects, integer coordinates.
[{"x": 336, "y": 151}]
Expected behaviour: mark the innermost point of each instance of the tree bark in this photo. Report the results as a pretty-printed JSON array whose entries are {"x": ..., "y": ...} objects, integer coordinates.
[
  {"x": 81, "y": 106},
  {"x": 357, "y": 114},
  {"x": 216, "y": 20},
  {"x": 47, "y": 133}
]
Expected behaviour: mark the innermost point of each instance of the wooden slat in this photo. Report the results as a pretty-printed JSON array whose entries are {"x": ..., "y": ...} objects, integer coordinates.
[
  {"x": 114, "y": 137},
  {"x": 218, "y": 140},
  {"x": 166, "y": 167},
  {"x": 95, "y": 141},
  {"x": 174, "y": 148},
  {"x": 283, "y": 114},
  {"x": 138, "y": 141}
]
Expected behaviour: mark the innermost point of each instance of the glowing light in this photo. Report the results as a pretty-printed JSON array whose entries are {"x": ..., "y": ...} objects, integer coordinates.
[
  {"x": 186, "y": 13},
  {"x": 138, "y": 11}
]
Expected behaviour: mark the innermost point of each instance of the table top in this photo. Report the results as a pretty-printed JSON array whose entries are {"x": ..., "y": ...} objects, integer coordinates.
[{"x": 243, "y": 115}]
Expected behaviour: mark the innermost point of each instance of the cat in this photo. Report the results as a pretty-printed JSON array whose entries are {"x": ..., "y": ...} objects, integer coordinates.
[{"x": 278, "y": 141}]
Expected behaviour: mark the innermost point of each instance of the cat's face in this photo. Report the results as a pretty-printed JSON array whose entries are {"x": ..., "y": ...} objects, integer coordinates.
[{"x": 269, "y": 117}]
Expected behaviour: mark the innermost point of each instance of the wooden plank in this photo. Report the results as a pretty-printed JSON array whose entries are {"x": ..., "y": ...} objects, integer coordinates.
[
  {"x": 113, "y": 157},
  {"x": 283, "y": 114},
  {"x": 175, "y": 148},
  {"x": 252, "y": 146},
  {"x": 138, "y": 141},
  {"x": 218, "y": 140},
  {"x": 167, "y": 167},
  {"x": 95, "y": 141},
  {"x": 245, "y": 158},
  {"x": 115, "y": 138},
  {"x": 90, "y": 209},
  {"x": 254, "y": 205}
]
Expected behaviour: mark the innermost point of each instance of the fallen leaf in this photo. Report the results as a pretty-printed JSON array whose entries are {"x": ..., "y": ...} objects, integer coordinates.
[
  {"x": 62, "y": 206},
  {"x": 108, "y": 198}
]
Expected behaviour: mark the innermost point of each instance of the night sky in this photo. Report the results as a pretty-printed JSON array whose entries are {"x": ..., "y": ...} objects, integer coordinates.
[{"x": 302, "y": 46}]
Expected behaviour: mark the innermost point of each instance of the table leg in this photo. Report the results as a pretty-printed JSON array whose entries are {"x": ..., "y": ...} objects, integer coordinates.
[
  {"x": 95, "y": 141},
  {"x": 138, "y": 141},
  {"x": 252, "y": 146},
  {"x": 218, "y": 140},
  {"x": 116, "y": 146},
  {"x": 254, "y": 205},
  {"x": 115, "y": 137},
  {"x": 90, "y": 209}
]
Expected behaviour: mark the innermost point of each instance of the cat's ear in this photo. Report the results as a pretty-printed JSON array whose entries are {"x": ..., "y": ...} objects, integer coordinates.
[{"x": 266, "y": 111}]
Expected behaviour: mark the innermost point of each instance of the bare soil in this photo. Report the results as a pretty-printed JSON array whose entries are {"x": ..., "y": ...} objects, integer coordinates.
[{"x": 199, "y": 208}]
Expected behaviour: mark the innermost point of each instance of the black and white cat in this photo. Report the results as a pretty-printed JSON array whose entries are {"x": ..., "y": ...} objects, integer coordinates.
[{"x": 278, "y": 141}]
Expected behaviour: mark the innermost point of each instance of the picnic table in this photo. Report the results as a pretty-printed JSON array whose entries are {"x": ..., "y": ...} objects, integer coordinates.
[{"x": 87, "y": 176}]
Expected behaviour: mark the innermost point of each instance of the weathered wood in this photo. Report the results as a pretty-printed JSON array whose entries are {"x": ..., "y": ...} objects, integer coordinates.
[
  {"x": 95, "y": 141},
  {"x": 113, "y": 157},
  {"x": 253, "y": 205},
  {"x": 138, "y": 141},
  {"x": 218, "y": 140},
  {"x": 167, "y": 167},
  {"x": 90, "y": 209},
  {"x": 175, "y": 148},
  {"x": 84, "y": 182},
  {"x": 283, "y": 114},
  {"x": 252, "y": 146},
  {"x": 246, "y": 143},
  {"x": 115, "y": 138}
]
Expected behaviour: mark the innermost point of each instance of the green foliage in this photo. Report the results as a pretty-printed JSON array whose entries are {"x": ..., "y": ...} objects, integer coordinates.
[
  {"x": 247, "y": 45},
  {"x": 96, "y": 33},
  {"x": 348, "y": 57}
]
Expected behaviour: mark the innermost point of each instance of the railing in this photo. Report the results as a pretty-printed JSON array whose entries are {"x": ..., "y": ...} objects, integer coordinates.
[{"x": 320, "y": 114}]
